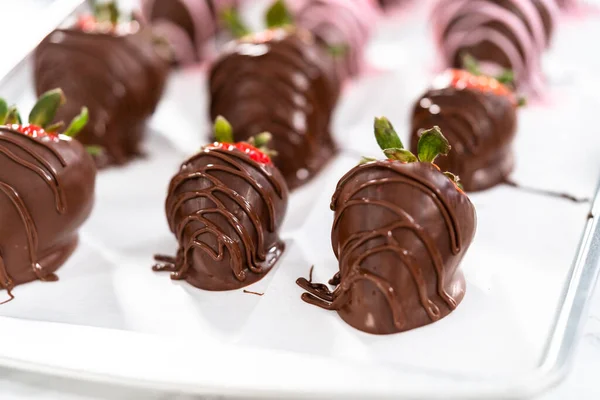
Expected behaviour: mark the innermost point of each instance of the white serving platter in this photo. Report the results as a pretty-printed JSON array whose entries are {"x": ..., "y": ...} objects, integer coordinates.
[{"x": 530, "y": 269}]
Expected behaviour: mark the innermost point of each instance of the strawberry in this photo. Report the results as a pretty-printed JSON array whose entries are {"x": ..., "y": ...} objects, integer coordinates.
[
  {"x": 40, "y": 119},
  {"x": 86, "y": 23},
  {"x": 432, "y": 144},
  {"x": 255, "y": 148},
  {"x": 104, "y": 19},
  {"x": 462, "y": 79},
  {"x": 34, "y": 131},
  {"x": 471, "y": 77}
]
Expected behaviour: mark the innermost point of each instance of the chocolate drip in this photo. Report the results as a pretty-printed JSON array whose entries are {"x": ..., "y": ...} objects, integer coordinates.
[
  {"x": 279, "y": 81},
  {"x": 119, "y": 78},
  {"x": 40, "y": 223},
  {"x": 548, "y": 193},
  {"x": 508, "y": 34},
  {"x": 480, "y": 127},
  {"x": 225, "y": 210},
  {"x": 399, "y": 232}
]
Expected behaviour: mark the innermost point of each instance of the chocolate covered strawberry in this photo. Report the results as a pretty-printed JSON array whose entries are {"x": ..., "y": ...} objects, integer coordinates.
[
  {"x": 115, "y": 66},
  {"x": 283, "y": 81},
  {"x": 478, "y": 115},
  {"x": 401, "y": 228},
  {"x": 47, "y": 184},
  {"x": 225, "y": 207}
]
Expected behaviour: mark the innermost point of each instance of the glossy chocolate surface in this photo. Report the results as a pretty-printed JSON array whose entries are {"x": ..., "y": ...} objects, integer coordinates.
[
  {"x": 46, "y": 193},
  {"x": 225, "y": 210},
  {"x": 120, "y": 78},
  {"x": 279, "y": 81},
  {"x": 480, "y": 128},
  {"x": 399, "y": 233}
]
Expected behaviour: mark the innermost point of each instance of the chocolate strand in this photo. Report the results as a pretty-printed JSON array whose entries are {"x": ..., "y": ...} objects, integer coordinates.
[{"x": 548, "y": 193}]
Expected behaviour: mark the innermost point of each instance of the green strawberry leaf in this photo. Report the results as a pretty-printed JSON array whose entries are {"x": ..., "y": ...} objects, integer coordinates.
[
  {"x": 471, "y": 64},
  {"x": 400, "y": 155},
  {"x": 3, "y": 111},
  {"x": 386, "y": 136},
  {"x": 223, "y": 130},
  {"x": 365, "y": 160},
  {"x": 507, "y": 77},
  {"x": 233, "y": 22},
  {"x": 13, "y": 116},
  {"x": 278, "y": 15},
  {"x": 45, "y": 109},
  {"x": 107, "y": 12},
  {"x": 431, "y": 144},
  {"x": 77, "y": 124},
  {"x": 55, "y": 127},
  {"x": 94, "y": 150},
  {"x": 338, "y": 50}
]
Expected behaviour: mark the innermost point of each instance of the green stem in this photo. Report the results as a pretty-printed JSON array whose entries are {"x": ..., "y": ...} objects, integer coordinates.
[{"x": 223, "y": 130}]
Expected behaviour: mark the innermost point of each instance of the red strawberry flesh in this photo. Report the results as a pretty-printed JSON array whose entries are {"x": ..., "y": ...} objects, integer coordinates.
[
  {"x": 34, "y": 131},
  {"x": 254, "y": 153},
  {"x": 462, "y": 79}
]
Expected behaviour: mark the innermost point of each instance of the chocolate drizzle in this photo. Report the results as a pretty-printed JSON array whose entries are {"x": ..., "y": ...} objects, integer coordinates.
[
  {"x": 480, "y": 127},
  {"x": 501, "y": 34},
  {"x": 399, "y": 232},
  {"x": 40, "y": 223},
  {"x": 228, "y": 207},
  {"x": 119, "y": 78},
  {"x": 279, "y": 81}
]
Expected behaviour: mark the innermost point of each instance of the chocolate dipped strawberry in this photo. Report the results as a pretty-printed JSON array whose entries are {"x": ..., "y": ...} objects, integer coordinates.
[
  {"x": 47, "y": 182},
  {"x": 281, "y": 81},
  {"x": 225, "y": 207},
  {"x": 400, "y": 230},
  {"x": 478, "y": 115},
  {"x": 115, "y": 67}
]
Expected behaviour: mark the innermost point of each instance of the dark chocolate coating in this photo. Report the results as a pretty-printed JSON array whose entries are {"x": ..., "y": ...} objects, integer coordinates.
[
  {"x": 399, "y": 233},
  {"x": 119, "y": 78},
  {"x": 279, "y": 81},
  {"x": 480, "y": 128},
  {"x": 46, "y": 193},
  {"x": 225, "y": 210}
]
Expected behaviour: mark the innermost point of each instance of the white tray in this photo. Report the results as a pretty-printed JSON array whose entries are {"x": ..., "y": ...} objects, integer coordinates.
[{"x": 530, "y": 269}]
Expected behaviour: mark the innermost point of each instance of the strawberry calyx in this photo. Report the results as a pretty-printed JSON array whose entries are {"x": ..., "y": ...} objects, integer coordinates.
[
  {"x": 472, "y": 77},
  {"x": 40, "y": 122},
  {"x": 106, "y": 18},
  {"x": 432, "y": 144},
  {"x": 256, "y": 147},
  {"x": 278, "y": 15}
]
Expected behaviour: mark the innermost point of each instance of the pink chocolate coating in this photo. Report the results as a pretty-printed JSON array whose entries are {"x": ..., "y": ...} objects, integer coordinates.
[
  {"x": 339, "y": 23},
  {"x": 518, "y": 29}
]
